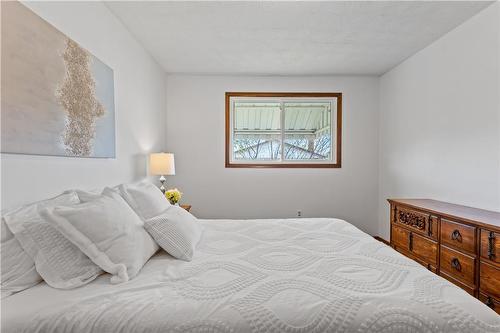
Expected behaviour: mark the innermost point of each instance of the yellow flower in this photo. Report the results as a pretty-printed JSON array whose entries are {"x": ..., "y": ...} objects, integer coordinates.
[{"x": 173, "y": 195}]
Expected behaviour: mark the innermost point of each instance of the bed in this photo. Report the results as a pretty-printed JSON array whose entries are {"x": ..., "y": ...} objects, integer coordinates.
[{"x": 288, "y": 275}]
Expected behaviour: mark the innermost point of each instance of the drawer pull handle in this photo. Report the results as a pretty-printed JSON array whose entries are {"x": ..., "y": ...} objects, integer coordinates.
[
  {"x": 456, "y": 264},
  {"x": 429, "y": 231},
  {"x": 489, "y": 302},
  {"x": 491, "y": 239},
  {"x": 455, "y": 235},
  {"x": 410, "y": 241}
]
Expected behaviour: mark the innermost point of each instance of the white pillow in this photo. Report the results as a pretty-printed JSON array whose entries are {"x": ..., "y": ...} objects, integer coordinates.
[
  {"x": 176, "y": 231},
  {"x": 5, "y": 233},
  {"x": 86, "y": 196},
  {"x": 18, "y": 269},
  {"x": 60, "y": 263},
  {"x": 108, "y": 231},
  {"x": 144, "y": 198}
]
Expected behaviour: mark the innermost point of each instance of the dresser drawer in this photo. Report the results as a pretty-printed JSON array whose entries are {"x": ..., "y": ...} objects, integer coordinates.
[
  {"x": 490, "y": 301},
  {"x": 458, "y": 283},
  {"x": 458, "y": 265},
  {"x": 489, "y": 281},
  {"x": 405, "y": 252},
  {"x": 459, "y": 236},
  {"x": 490, "y": 245},
  {"x": 421, "y": 247},
  {"x": 419, "y": 222}
]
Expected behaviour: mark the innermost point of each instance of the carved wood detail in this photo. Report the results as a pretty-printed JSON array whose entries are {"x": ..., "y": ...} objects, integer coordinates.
[{"x": 412, "y": 219}]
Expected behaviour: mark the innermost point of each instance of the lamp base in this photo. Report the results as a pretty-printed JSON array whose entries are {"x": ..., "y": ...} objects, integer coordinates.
[{"x": 162, "y": 187}]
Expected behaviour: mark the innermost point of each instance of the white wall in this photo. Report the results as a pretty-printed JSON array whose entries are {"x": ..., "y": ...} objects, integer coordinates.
[
  {"x": 139, "y": 110},
  {"x": 439, "y": 130},
  {"x": 440, "y": 120},
  {"x": 195, "y": 133}
]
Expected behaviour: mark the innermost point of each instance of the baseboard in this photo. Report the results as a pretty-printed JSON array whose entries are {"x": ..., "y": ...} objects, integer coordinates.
[{"x": 380, "y": 239}]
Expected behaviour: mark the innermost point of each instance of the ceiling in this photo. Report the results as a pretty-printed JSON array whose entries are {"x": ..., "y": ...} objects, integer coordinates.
[{"x": 288, "y": 38}]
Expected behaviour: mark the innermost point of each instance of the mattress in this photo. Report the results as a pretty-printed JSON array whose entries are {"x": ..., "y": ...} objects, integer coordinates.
[{"x": 291, "y": 275}]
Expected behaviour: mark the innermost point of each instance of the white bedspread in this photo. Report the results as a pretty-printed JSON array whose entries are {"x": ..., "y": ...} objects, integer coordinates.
[{"x": 296, "y": 275}]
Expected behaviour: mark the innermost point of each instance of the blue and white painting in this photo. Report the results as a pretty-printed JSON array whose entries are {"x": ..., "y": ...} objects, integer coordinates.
[{"x": 57, "y": 98}]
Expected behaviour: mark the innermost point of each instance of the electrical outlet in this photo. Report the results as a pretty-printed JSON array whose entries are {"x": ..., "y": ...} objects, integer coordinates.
[{"x": 299, "y": 213}]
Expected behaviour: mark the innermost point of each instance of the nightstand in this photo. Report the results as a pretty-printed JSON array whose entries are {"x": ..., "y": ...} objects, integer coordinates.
[{"x": 186, "y": 207}]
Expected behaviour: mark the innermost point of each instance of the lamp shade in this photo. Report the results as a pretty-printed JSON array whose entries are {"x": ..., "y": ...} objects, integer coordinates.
[{"x": 162, "y": 164}]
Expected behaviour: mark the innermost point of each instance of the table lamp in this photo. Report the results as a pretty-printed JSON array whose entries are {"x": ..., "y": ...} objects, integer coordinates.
[{"x": 162, "y": 164}]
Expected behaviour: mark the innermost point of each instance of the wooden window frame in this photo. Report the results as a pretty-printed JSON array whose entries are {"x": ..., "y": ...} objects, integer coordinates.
[{"x": 338, "y": 144}]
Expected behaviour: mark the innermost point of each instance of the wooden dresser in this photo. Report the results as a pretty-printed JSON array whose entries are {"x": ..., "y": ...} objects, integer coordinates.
[{"x": 461, "y": 244}]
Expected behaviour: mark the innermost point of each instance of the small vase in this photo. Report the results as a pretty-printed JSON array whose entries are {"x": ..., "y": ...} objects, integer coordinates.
[{"x": 176, "y": 204}]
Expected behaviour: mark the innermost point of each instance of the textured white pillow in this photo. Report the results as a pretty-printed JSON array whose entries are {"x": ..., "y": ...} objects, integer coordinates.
[
  {"x": 108, "y": 231},
  {"x": 176, "y": 231},
  {"x": 60, "y": 263},
  {"x": 144, "y": 198}
]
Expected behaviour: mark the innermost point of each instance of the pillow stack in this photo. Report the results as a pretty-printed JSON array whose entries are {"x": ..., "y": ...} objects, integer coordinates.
[
  {"x": 71, "y": 239},
  {"x": 108, "y": 232},
  {"x": 58, "y": 261}
]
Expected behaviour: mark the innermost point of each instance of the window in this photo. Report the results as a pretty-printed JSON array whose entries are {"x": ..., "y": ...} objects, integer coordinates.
[{"x": 283, "y": 130}]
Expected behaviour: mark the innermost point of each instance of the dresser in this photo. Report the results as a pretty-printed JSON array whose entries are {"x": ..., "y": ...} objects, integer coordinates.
[{"x": 461, "y": 244}]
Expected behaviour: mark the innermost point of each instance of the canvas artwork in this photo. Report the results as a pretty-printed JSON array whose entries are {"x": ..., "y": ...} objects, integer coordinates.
[{"x": 57, "y": 98}]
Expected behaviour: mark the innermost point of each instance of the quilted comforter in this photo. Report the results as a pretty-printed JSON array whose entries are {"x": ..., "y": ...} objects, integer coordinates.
[{"x": 293, "y": 275}]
